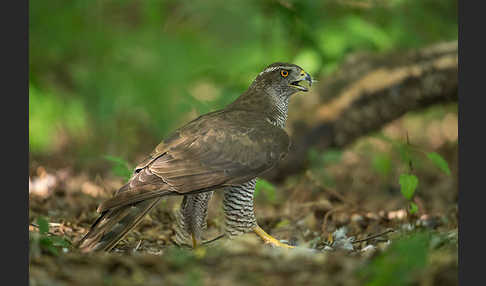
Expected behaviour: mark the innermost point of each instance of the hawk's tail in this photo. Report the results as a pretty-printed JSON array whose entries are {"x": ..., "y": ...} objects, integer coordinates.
[
  {"x": 124, "y": 211},
  {"x": 112, "y": 225}
]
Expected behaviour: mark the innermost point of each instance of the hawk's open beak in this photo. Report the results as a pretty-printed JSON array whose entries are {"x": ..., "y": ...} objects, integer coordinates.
[{"x": 303, "y": 77}]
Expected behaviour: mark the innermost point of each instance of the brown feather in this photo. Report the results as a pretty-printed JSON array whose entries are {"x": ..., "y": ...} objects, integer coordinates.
[
  {"x": 113, "y": 225},
  {"x": 216, "y": 150},
  {"x": 213, "y": 151}
]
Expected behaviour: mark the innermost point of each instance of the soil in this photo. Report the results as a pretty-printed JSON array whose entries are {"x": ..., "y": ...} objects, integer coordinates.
[{"x": 355, "y": 230}]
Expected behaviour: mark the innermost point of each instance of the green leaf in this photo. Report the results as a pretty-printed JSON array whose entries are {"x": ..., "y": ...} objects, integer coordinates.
[
  {"x": 283, "y": 223},
  {"x": 47, "y": 244},
  {"x": 53, "y": 250},
  {"x": 440, "y": 162},
  {"x": 120, "y": 167},
  {"x": 266, "y": 188},
  {"x": 60, "y": 241},
  {"x": 43, "y": 225},
  {"x": 408, "y": 185},
  {"x": 116, "y": 160},
  {"x": 405, "y": 258},
  {"x": 412, "y": 208}
]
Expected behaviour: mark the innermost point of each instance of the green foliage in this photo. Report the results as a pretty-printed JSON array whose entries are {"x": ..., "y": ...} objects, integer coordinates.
[
  {"x": 283, "y": 223},
  {"x": 405, "y": 152},
  {"x": 186, "y": 260},
  {"x": 43, "y": 241},
  {"x": 440, "y": 162},
  {"x": 320, "y": 160},
  {"x": 410, "y": 156},
  {"x": 412, "y": 208},
  {"x": 43, "y": 225},
  {"x": 331, "y": 156},
  {"x": 408, "y": 185},
  {"x": 194, "y": 278},
  {"x": 382, "y": 163},
  {"x": 119, "y": 167},
  {"x": 266, "y": 188},
  {"x": 48, "y": 113},
  {"x": 399, "y": 264},
  {"x": 180, "y": 257},
  {"x": 136, "y": 67},
  {"x": 314, "y": 158}
]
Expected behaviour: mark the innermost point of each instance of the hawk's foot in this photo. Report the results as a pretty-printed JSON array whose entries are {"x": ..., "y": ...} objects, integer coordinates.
[{"x": 267, "y": 238}]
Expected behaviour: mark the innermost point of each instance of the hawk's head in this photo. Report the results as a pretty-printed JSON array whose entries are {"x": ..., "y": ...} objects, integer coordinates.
[
  {"x": 283, "y": 78},
  {"x": 271, "y": 90}
]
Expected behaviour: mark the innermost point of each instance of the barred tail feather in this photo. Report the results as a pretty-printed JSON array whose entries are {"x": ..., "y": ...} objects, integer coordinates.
[{"x": 114, "y": 224}]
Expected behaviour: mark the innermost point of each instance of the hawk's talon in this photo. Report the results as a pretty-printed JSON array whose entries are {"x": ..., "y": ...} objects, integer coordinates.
[{"x": 268, "y": 239}]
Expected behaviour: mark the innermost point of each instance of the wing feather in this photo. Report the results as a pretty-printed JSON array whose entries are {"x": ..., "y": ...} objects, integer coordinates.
[{"x": 213, "y": 151}]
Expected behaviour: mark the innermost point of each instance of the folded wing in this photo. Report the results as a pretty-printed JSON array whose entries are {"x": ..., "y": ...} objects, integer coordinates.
[{"x": 216, "y": 150}]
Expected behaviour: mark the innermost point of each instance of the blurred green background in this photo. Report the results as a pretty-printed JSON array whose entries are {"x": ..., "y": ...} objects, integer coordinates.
[{"x": 114, "y": 77}]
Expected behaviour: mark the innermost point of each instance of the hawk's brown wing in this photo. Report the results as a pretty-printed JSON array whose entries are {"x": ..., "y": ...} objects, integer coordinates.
[{"x": 219, "y": 149}]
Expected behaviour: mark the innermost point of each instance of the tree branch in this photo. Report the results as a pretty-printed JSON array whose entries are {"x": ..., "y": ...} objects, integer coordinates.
[{"x": 367, "y": 92}]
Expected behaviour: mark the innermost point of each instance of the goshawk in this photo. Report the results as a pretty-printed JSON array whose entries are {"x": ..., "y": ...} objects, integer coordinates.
[{"x": 222, "y": 150}]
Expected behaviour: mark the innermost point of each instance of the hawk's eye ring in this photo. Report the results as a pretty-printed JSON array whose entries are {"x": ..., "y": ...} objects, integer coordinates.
[{"x": 284, "y": 73}]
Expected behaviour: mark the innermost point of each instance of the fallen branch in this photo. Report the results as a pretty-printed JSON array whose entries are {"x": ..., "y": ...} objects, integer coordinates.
[
  {"x": 366, "y": 93},
  {"x": 374, "y": 236}
]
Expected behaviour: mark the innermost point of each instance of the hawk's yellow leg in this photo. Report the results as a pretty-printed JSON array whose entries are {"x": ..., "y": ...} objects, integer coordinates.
[
  {"x": 194, "y": 241},
  {"x": 270, "y": 239}
]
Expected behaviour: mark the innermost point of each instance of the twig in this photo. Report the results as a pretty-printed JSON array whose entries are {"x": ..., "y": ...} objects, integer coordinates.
[
  {"x": 410, "y": 165},
  {"x": 374, "y": 236},
  {"x": 138, "y": 246},
  {"x": 332, "y": 211},
  {"x": 214, "y": 239},
  {"x": 37, "y": 226},
  {"x": 203, "y": 243}
]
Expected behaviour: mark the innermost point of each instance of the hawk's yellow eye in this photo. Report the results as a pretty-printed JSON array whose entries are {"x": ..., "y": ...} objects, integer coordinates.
[{"x": 284, "y": 73}]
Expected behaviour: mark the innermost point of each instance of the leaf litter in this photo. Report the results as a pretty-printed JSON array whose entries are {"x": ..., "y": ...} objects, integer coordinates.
[{"x": 343, "y": 237}]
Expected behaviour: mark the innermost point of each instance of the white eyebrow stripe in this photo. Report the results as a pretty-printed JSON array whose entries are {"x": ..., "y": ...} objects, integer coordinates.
[{"x": 274, "y": 68}]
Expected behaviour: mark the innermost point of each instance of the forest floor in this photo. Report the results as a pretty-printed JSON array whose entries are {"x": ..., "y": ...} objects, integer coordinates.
[{"x": 357, "y": 232}]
